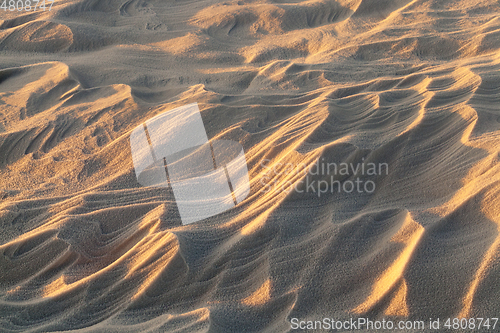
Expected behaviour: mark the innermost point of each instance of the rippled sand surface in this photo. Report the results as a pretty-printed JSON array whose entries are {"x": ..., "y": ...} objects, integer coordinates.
[{"x": 414, "y": 85}]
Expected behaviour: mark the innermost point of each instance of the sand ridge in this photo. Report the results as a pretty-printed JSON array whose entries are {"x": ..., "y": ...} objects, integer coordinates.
[{"x": 413, "y": 84}]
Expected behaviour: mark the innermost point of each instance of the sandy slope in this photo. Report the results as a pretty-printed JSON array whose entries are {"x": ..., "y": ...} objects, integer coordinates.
[{"x": 414, "y": 84}]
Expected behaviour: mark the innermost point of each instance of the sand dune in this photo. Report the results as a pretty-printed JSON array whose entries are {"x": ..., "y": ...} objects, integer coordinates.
[{"x": 413, "y": 85}]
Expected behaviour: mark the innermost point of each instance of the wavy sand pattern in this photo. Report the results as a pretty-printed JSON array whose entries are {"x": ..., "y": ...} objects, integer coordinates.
[{"x": 413, "y": 84}]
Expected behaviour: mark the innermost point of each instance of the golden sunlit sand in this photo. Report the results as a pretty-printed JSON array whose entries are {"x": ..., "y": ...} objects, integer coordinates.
[{"x": 412, "y": 85}]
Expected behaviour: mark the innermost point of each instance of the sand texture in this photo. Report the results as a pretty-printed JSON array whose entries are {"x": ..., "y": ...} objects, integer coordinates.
[{"x": 414, "y": 85}]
